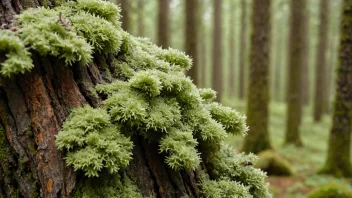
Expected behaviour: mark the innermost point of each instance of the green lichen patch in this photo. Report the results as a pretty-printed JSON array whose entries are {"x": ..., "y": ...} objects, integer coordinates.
[
  {"x": 330, "y": 191},
  {"x": 224, "y": 188},
  {"x": 92, "y": 143},
  {"x": 18, "y": 58},
  {"x": 273, "y": 164},
  {"x": 49, "y": 32}
]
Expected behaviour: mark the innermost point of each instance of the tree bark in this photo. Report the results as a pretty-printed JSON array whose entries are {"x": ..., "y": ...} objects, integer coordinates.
[
  {"x": 243, "y": 51},
  {"x": 191, "y": 37},
  {"x": 232, "y": 86},
  {"x": 125, "y": 13},
  {"x": 296, "y": 58},
  {"x": 141, "y": 18},
  {"x": 321, "y": 64},
  {"x": 258, "y": 88},
  {"x": 163, "y": 24},
  {"x": 305, "y": 58},
  {"x": 217, "y": 49},
  {"x": 33, "y": 107},
  {"x": 338, "y": 162}
]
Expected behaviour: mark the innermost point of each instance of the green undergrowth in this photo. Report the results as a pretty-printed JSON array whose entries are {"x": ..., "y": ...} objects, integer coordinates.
[
  {"x": 305, "y": 161},
  {"x": 149, "y": 96}
]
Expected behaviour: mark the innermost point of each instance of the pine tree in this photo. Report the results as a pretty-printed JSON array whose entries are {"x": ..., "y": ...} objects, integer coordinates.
[
  {"x": 232, "y": 49},
  {"x": 321, "y": 63},
  {"x": 163, "y": 24},
  {"x": 125, "y": 12},
  {"x": 217, "y": 49},
  {"x": 141, "y": 17},
  {"x": 243, "y": 52},
  {"x": 294, "y": 80},
  {"x": 258, "y": 88},
  {"x": 87, "y": 110},
  {"x": 191, "y": 37},
  {"x": 338, "y": 162}
]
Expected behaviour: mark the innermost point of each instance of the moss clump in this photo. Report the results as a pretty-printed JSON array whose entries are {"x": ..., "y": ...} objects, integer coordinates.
[
  {"x": 224, "y": 188},
  {"x": 273, "y": 164},
  {"x": 18, "y": 58},
  {"x": 93, "y": 143},
  {"x": 330, "y": 191}
]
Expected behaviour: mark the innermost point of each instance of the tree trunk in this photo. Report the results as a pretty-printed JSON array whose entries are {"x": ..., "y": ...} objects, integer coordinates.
[
  {"x": 305, "y": 59},
  {"x": 243, "y": 50},
  {"x": 202, "y": 47},
  {"x": 163, "y": 24},
  {"x": 125, "y": 12},
  {"x": 191, "y": 37},
  {"x": 296, "y": 59},
  {"x": 321, "y": 66},
  {"x": 338, "y": 161},
  {"x": 141, "y": 18},
  {"x": 258, "y": 87},
  {"x": 33, "y": 107},
  {"x": 217, "y": 49},
  {"x": 232, "y": 86}
]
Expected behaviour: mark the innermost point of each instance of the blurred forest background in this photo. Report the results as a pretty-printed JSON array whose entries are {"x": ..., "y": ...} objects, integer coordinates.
[{"x": 276, "y": 62}]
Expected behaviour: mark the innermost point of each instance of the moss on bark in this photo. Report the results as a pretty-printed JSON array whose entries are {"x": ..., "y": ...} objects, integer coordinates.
[
  {"x": 258, "y": 90},
  {"x": 338, "y": 162}
]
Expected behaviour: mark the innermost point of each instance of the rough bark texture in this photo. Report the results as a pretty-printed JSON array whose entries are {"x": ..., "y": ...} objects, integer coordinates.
[
  {"x": 141, "y": 17},
  {"x": 32, "y": 109},
  {"x": 338, "y": 161},
  {"x": 191, "y": 37},
  {"x": 232, "y": 86},
  {"x": 258, "y": 88},
  {"x": 321, "y": 64},
  {"x": 217, "y": 49},
  {"x": 125, "y": 13},
  {"x": 243, "y": 50},
  {"x": 163, "y": 23},
  {"x": 295, "y": 62}
]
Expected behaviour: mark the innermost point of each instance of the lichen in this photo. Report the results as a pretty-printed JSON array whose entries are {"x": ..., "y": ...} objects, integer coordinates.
[
  {"x": 18, "y": 58},
  {"x": 149, "y": 96}
]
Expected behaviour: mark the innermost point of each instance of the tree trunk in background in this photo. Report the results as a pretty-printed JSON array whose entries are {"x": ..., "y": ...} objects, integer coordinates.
[
  {"x": 141, "y": 18},
  {"x": 305, "y": 59},
  {"x": 125, "y": 12},
  {"x": 232, "y": 86},
  {"x": 217, "y": 49},
  {"x": 258, "y": 87},
  {"x": 191, "y": 37},
  {"x": 243, "y": 50},
  {"x": 33, "y": 107},
  {"x": 163, "y": 24},
  {"x": 202, "y": 45},
  {"x": 295, "y": 62},
  {"x": 338, "y": 161},
  {"x": 321, "y": 67}
]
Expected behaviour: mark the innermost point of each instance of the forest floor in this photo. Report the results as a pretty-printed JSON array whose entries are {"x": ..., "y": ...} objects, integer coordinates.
[{"x": 305, "y": 161}]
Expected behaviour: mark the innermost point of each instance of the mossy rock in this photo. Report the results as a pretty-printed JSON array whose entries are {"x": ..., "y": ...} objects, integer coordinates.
[
  {"x": 331, "y": 190},
  {"x": 270, "y": 162}
]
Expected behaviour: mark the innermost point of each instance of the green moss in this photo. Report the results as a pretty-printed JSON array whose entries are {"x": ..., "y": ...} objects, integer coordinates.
[
  {"x": 18, "y": 58},
  {"x": 4, "y": 145},
  {"x": 92, "y": 143},
  {"x": 273, "y": 164},
  {"x": 330, "y": 191},
  {"x": 224, "y": 189}
]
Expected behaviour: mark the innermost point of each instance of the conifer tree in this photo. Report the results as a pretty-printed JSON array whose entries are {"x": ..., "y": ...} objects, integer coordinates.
[
  {"x": 191, "y": 37},
  {"x": 87, "y": 110},
  {"x": 217, "y": 49},
  {"x": 294, "y": 80},
  {"x": 338, "y": 162},
  {"x": 321, "y": 64},
  {"x": 258, "y": 88},
  {"x": 232, "y": 49},
  {"x": 163, "y": 23},
  {"x": 125, "y": 12},
  {"x": 141, "y": 17},
  {"x": 243, "y": 52}
]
